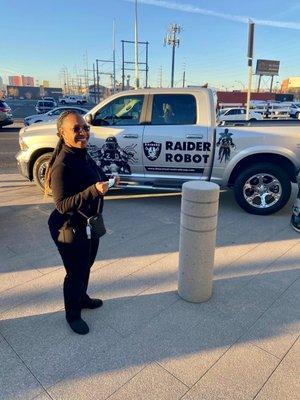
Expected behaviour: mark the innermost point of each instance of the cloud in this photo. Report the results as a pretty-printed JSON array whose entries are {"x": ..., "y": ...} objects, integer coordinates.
[{"x": 236, "y": 18}]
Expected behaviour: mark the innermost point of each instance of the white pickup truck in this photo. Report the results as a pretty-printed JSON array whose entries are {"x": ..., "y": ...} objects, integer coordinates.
[
  {"x": 161, "y": 138},
  {"x": 72, "y": 99}
]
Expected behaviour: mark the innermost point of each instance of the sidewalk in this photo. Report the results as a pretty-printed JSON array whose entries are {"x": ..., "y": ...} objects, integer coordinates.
[{"x": 146, "y": 342}]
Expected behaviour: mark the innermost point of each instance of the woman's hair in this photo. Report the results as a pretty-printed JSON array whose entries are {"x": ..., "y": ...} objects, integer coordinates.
[{"x": 61, "y": 118}]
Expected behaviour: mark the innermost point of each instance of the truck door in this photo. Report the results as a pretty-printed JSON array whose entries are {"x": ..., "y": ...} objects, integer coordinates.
[
  {"x": 174, "y": 145},
  {"x": 116, "y": 135}
]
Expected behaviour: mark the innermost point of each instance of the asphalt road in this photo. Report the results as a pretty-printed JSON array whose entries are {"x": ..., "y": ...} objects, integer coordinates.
[{"x": 9, "y": 146}]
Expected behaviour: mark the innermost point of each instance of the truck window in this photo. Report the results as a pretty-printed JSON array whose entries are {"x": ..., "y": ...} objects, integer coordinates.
[
  {"x": 174, "y": 109},
  {"x": 125, "y": 110}
]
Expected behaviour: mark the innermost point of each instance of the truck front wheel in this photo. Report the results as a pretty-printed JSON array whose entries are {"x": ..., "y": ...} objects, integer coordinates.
[
  {"x": 39, "y": 169},
  {"x": 262, "y": 189}
]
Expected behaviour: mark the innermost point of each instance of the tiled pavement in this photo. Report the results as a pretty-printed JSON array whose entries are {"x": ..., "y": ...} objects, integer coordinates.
[{"x": 146, "y": 342}]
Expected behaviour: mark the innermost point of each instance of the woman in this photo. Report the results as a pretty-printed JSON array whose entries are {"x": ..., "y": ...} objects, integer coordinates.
[{"x": 78, "y": 185}]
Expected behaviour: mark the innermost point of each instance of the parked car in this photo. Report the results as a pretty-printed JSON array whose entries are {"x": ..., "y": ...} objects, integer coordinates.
[
  {"x": 294, "y": 108},
  {"x": 273, "y": 111},
  {"x": 50, "y": 99},
  {"x": 43, "y": 106},
  {"x": 73, "y": 99},
  {"x": 164, "y": 137},
  {"x": 234, "y": 114},
  {"x": 6, "y": 117},
  {"x": 52, "y": 115}
]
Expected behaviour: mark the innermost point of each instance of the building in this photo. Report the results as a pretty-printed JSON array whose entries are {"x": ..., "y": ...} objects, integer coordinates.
[
  {"x": 27, "y": 80},
  {"x": 291, "y": 85},
  {"x": 45, "y": 84},
  {"x": 240, "y": 98},
  {"x": 15, "y": 80},
  {"x": 22, "y": 80}
]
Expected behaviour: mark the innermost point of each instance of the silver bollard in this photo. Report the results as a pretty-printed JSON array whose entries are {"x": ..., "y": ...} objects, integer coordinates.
[{"x": 198, "y": 225}]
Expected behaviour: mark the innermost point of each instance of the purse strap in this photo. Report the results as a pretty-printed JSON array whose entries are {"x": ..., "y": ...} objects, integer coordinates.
[{"x": 98, "y": 209}]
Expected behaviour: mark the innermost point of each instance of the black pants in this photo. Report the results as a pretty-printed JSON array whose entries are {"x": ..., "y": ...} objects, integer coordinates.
[{"x": 78, "y": 259}]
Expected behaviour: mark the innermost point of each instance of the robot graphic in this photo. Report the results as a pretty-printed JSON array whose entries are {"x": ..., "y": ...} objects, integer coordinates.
[
  {"x": 112, "y": 156},
  {"x": 225, "y": 145}
]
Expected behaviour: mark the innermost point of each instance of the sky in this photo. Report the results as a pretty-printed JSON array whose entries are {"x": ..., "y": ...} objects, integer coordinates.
[{"x": 40, "y": 39}]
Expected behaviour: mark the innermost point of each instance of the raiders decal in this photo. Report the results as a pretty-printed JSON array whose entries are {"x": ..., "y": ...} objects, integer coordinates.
[
  {"x": 225, "y": 145},
  {"x": 152, "y": 150},
  {"x": 179, "y": 152},
  {"x": 112, "y": 158}
]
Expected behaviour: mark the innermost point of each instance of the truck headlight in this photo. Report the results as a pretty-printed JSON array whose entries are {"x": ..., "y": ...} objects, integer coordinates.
[{"x": 23, "y": 145}]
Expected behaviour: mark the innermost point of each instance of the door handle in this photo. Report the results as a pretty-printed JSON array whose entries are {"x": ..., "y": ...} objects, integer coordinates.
[
  {"x": 130, "y": 136},
  {"x": 194, "y": 136}
]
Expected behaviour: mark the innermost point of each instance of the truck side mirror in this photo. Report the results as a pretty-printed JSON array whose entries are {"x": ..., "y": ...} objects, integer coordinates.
[{"x": 89, "y": 119}]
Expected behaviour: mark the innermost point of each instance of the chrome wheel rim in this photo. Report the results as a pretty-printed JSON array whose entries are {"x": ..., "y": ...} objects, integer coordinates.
[
  {"x": 42, "y": 172},
  {"x": 262, "y": 190}
]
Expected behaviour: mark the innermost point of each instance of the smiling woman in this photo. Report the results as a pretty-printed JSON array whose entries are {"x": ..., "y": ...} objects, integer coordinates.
[{"x": 78, "y": 186}]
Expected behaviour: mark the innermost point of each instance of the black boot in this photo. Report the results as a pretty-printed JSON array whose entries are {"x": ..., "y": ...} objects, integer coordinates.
[
  {"x": 91, "y": 303},
  {"x": 79, "y": 326},
  {"x": 295, "y": 222}
]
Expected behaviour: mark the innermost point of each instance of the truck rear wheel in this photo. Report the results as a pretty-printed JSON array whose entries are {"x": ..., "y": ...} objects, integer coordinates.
[
  {"x": 262, "y": 189},
  {"x": 39, "y": 169}
]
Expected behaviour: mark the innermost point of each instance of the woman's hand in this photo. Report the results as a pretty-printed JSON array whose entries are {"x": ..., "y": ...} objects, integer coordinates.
[{"x": 102, "y": 187}]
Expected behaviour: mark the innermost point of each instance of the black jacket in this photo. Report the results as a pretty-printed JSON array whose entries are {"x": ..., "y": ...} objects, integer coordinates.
[{"x": 73, "y": 177}]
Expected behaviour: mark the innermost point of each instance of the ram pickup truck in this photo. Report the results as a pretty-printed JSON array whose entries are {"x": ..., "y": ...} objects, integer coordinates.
[
  {"x": 73, "y": 99},
  {"x": 161, "y": 138}
]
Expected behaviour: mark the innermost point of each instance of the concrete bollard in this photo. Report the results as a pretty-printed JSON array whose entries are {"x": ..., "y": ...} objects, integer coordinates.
[{"x": 198, "y": 225}]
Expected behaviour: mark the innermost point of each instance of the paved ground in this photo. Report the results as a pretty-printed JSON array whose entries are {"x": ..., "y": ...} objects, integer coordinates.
[{"x": 147, "y": 343}]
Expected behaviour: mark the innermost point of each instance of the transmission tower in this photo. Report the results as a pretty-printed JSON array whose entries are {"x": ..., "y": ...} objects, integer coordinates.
[{"x": 172, "y": 40}]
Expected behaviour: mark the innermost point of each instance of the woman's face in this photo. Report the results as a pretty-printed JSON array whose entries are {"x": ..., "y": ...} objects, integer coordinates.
[{"x": 75, "y": 131}]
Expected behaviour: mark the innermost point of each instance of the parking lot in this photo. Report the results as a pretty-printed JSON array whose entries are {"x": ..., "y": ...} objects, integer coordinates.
[
  {"x": 146, "y": 342},
  {"x": 24, "y": 108}
]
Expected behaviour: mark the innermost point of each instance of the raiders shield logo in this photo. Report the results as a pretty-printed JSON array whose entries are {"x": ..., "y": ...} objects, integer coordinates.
[{"x": 152, "y": 150}]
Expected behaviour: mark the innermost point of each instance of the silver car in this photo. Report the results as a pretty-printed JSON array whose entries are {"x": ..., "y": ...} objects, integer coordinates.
[
  {"x": 5, "y": 114},
  {"x": 52, "y": 115}
]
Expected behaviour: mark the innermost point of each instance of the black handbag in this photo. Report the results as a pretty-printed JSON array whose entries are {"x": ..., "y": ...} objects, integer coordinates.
[{"x": 95, "y": 224}]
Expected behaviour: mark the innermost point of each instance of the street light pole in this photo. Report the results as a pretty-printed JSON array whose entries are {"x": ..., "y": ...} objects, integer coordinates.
[
  {"x": 136, "y": 42},
  {"x": 250, "y": 59},
  {"x": 114, "y": 57}
]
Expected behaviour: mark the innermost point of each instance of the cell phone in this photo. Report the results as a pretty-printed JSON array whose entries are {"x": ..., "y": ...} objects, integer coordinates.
[{"x": 111, "y": 182}]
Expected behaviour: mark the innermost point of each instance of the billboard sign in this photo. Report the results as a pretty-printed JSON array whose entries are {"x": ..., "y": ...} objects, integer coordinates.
[
  {"x": 23, "y": 92},
  {"x": 267, "y": 67}
]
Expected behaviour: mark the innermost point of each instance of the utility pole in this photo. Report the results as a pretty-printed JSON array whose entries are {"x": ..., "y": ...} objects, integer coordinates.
[
  {"x": 94, "y": 76},
  {"x": 98, "y": 88},
  {"x": 172, "y": 40},
  {"x": 160, "y": 76},
  {"x": 250, "y": 59},
  {"x": 183, "y": 74},
  {"x": 136, "y": 44}
]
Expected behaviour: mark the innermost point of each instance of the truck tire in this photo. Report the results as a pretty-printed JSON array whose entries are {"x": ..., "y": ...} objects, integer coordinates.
[
  {"x": 63, "y": 102},
  {"x": 262, "y": 189},
  {"x": 39, "y": 169}
]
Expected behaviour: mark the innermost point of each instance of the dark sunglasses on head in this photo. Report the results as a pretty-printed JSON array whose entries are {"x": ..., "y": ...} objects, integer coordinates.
[{"x": 80, "y": 128}]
